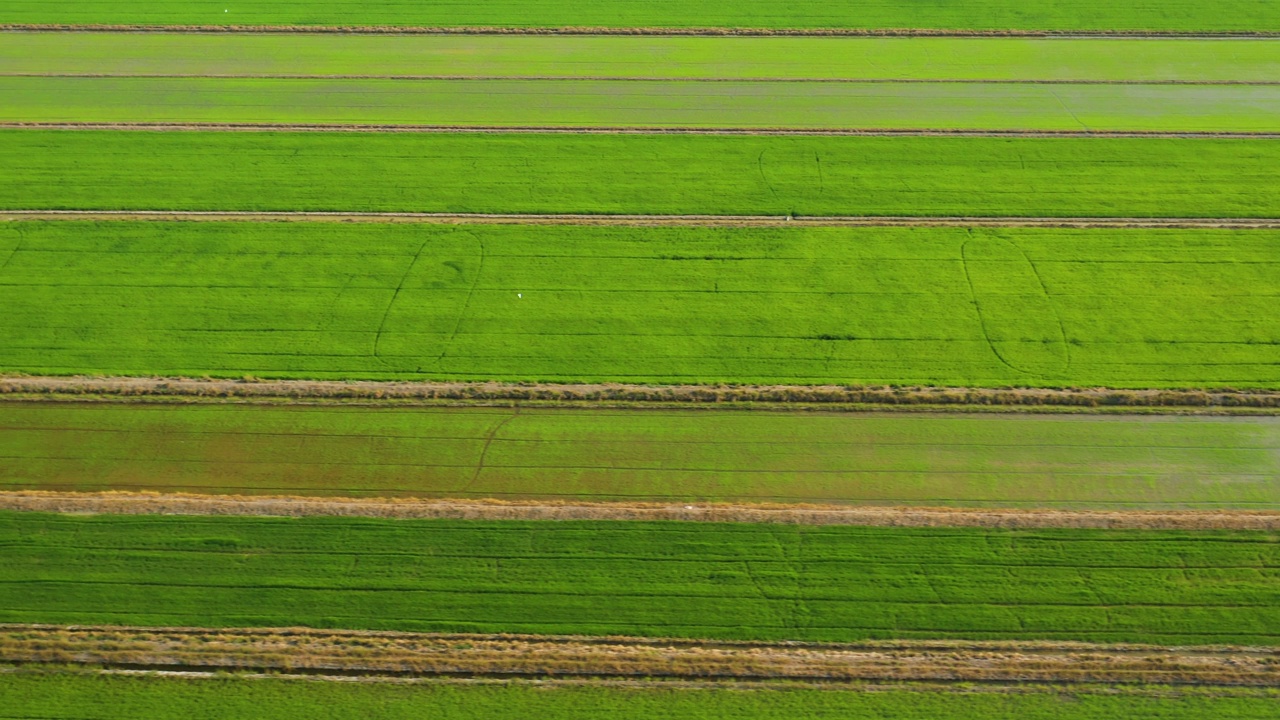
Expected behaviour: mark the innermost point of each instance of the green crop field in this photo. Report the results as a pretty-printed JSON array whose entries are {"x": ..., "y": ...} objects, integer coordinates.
[
  {"x": 722, "y": 580},
  {"x": 1167, "y": 16},
  {"x": 546, "y": 173},
  {"x": 646, "y": 104},
  {"x": 947, "y": 306},
  {"x": 575, "y": 56},
  {"x": 73, "y": 696},
  {"x": 1005, "y": 460}
]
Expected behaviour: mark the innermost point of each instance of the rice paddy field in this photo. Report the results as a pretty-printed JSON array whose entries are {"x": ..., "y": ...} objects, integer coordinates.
[
  {"x": 1076, "y": 461},
  {"x": 1172, "y": 16},
  {"x": 542, "y": 173},
  {"x": 485, "y": 81},
  {"x": 645, "y": 104},
  {"x": 68, "y": 696},
  {"x": 1002, "y": 199},
  {"x": 715, "y": 580},
  {"x": 944, "y": 306},
  {"x": 1021, "y": 60}
]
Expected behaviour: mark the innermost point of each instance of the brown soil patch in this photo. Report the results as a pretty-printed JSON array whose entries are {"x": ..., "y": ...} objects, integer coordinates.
[
  {"x": 144, "y": 503},
  {"x": 834, "y": 395},
  {"x": 420, "y": 654}
]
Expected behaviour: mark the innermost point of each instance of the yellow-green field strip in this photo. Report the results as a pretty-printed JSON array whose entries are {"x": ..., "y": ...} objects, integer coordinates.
[
  {"x": 656, "y": 58},
  {"x": 1108, "y": 462},
  {"x": 746, "y": 84},
  {"x": 646, "y": 104}
]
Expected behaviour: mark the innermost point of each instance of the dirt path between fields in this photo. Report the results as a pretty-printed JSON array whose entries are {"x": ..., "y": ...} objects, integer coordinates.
[
  {"x": 149, "y": 503},
  {"x": 621, "y": 130},
  {"x": 783, "y": 396},
  {"x": 353, "y": 653},
  {"x": 624, "y": 78},
  {"x": 647, "y": 31},
  {"x": 644, "y": 220}
]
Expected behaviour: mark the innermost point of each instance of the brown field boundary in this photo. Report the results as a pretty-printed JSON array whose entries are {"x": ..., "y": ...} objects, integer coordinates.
[
  {"x": 627, "y": 78},
  {"x": 1153, "y": 223},
  {"x": 648, "y": 31},
  {"x": 150, "y": 503},
  {"x": 624, "y": 130},
  {"x": 499, "y": 392},
  {"x": 329, "y": 652}
]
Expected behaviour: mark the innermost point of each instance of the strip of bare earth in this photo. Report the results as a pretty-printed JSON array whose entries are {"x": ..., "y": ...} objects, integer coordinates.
[
  {"x": 140, "y": 503},
  {"x": 53, "y": 387},
  {"x": 640, "y": 78},
  {"x": 644, "y": 220},
  {"x": 649, "y": 31},
  {"x": 329, "y": 652},
  {"x": 627, "y": 130}
]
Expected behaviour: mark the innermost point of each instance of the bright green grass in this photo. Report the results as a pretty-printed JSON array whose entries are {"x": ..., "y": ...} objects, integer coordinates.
[
  {"x": 640, "y": 174},
  {"x": 646, "y": 104},
  {"x": 1170, "y": 15},
  {"x": 935, "y": 459},
  {"x": 944, "y": 306},
  {"x": 73, "y": 696},
  {"x": 707, "y": 580},
  {"x": 645, "y": 57}
]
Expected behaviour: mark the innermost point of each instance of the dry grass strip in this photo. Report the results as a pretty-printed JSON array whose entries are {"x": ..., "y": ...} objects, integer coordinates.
[
  {"x": 651, "y": 31},
  {"x": 640, "y": 220},
  {"x": 884, "y": 395},
  {"x": 422, "y": 654},
  {"x": 628, "y": 79},
  {"x": 151, "y": 503},
  {"x": 622, "y": 130}
]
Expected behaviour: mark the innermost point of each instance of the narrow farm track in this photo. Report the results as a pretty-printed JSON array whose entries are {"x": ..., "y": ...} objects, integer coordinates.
[
  {"x": 625, "y": 130},
  {"x": 352, "y": 653},
  {"x": 627, "y": 31},
  {"x": 638, "y": 78},
  {"x": 128, "y": 503},
  {"x": 623, "y": 393},
  {"x": 648, "y": 220}
]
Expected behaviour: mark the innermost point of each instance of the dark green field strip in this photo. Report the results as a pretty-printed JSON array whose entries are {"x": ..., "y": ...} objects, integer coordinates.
[
  {"x": 655, "y": 579},
  {"x": 74, "y": 696},
  {"x": 941, "y": 306},
  {"x": 532, "y": 56},
  {"x": 645, "y": 104},
  {"x": 641, "y": 174},
  {"x": 1060, "y": 461},
  {"x": 1183, "y": 16}
]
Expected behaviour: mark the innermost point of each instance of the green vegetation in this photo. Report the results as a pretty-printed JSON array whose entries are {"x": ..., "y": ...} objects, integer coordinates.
[
  {"x": 706, "y": 580},
  {"x": 646, "y": 104},
  {"x": 547, "y": 173},
  {"x": 532, "y": 56},
  {"x": 1169, "y": 16},
  {"x": 810, "y": 305},
  {"x": 71, "y": 696},
  {"x": 1035, "y": 461}
]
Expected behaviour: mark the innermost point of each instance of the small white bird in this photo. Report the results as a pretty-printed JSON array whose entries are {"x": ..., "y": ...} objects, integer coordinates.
[{"x": 519, "y": 295}]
